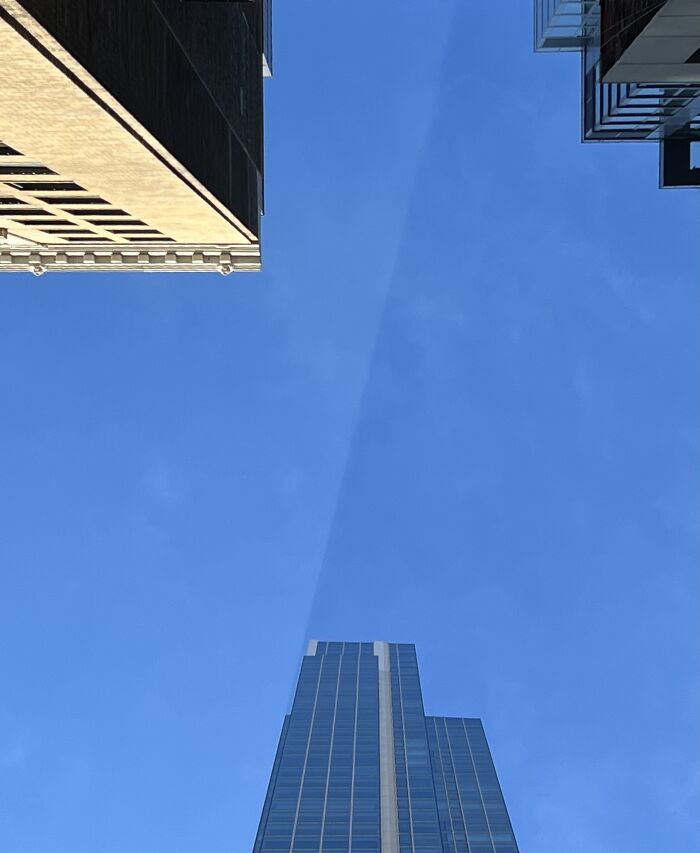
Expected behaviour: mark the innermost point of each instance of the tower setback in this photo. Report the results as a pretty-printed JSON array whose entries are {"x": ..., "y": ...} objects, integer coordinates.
[{"x": 359, "y": 767}]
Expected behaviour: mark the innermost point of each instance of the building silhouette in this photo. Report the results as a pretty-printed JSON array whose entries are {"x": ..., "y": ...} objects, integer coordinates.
[
  {"x": 131, "y": 134},
  {"x": 359, "y": 767},
  {"x": 640, "y": 73}
]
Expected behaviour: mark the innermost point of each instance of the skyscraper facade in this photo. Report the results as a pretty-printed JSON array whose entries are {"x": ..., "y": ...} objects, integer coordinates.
[
  {"x": 359, "y": 767},
  {"x": 131, "y": 134},
  {"x": 640, "y": 73}
]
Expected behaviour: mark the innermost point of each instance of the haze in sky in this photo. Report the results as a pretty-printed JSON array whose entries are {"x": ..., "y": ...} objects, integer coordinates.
[{"x": 458, "y": 408}]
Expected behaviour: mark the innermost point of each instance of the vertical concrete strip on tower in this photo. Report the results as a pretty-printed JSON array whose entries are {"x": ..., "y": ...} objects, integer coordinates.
[
  {"x": 387, "y": 773},
  {"x": 311, "y": 648}
]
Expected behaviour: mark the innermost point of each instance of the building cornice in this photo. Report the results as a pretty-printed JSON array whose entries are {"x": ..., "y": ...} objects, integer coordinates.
[{"x": 145, "y": 258}]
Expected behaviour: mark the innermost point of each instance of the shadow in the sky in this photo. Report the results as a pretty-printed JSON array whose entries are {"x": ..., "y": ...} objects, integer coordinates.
[{"x": 518, "y": 472}]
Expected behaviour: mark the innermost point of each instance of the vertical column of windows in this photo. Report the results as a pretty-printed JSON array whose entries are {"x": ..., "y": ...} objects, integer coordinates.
[
  {"x": 279, "y": 827},
  {"x": 264, "y": 818},
  {"x": 344, "y": 663},
  {"x": 402, "y": 800},
  {"x": 413, "y": 755},
  {"x": 324, "y": 792},
  {"x": 473, "y": 814},
  {"x": 366, "y": 817},
  {"x": 455, "y": 801},
  {"x": 309, "y": 819},
  {"x": 440, "y": 782},
  {"x": 475, "y": 821},
  {"x": 336, "y": 824},
  {"x": 500, "y": 828},
  {"x": 452, "y": 815}
]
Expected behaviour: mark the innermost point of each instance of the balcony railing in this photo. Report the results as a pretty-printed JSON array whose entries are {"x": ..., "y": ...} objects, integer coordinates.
[
  {"x": 623, "y": 111},
  {"x": 564, "y": 24},
  {"x": 635, "y": 111}
]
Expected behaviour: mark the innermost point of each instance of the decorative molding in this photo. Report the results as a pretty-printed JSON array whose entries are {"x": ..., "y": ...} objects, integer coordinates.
[{"x": 150, "y": 258}]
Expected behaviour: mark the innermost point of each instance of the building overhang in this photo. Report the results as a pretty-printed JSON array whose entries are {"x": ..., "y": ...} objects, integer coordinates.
[
  {"x": 664, "y": 52},
  {"x": 65, "y": 135}
]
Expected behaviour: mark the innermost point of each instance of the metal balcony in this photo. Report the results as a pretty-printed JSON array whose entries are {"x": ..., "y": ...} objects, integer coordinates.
[{"x": 564, "y": 24}]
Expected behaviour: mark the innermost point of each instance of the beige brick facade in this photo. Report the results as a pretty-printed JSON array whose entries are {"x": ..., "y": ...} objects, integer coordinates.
[{"x": 99, "y": 191}]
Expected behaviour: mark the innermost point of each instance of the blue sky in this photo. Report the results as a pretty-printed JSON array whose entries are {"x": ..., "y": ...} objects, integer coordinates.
[{"x": 459, "y": 408}]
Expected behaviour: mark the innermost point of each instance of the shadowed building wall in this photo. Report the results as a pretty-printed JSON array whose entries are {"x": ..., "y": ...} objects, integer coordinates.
[{"x": 167, "y": 96}]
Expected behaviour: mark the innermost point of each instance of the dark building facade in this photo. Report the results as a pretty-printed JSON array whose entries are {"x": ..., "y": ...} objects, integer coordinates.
[
  {"x": 640, "y": 73},
  {"x": 359, "y": 767},
  {"x": 132, "y": 133}
]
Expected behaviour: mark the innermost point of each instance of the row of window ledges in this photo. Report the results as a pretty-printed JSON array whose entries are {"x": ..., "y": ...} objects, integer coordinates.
[
  {"x": 27, "y": 167},
  {"x": 323, "y": 647},
  {"x": 128, "y": 228},
  {"x": 639, "y": 111},
  {"x": 6, "y": 150},
  {"x": 92, "y": 209}
]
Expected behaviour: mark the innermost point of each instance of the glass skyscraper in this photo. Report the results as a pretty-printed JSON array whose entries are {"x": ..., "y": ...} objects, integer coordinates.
[{"x": 359, "y": 767}]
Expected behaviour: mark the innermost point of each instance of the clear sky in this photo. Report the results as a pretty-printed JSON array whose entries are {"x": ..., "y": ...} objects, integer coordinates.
[{"x": 458, "y": 408}]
